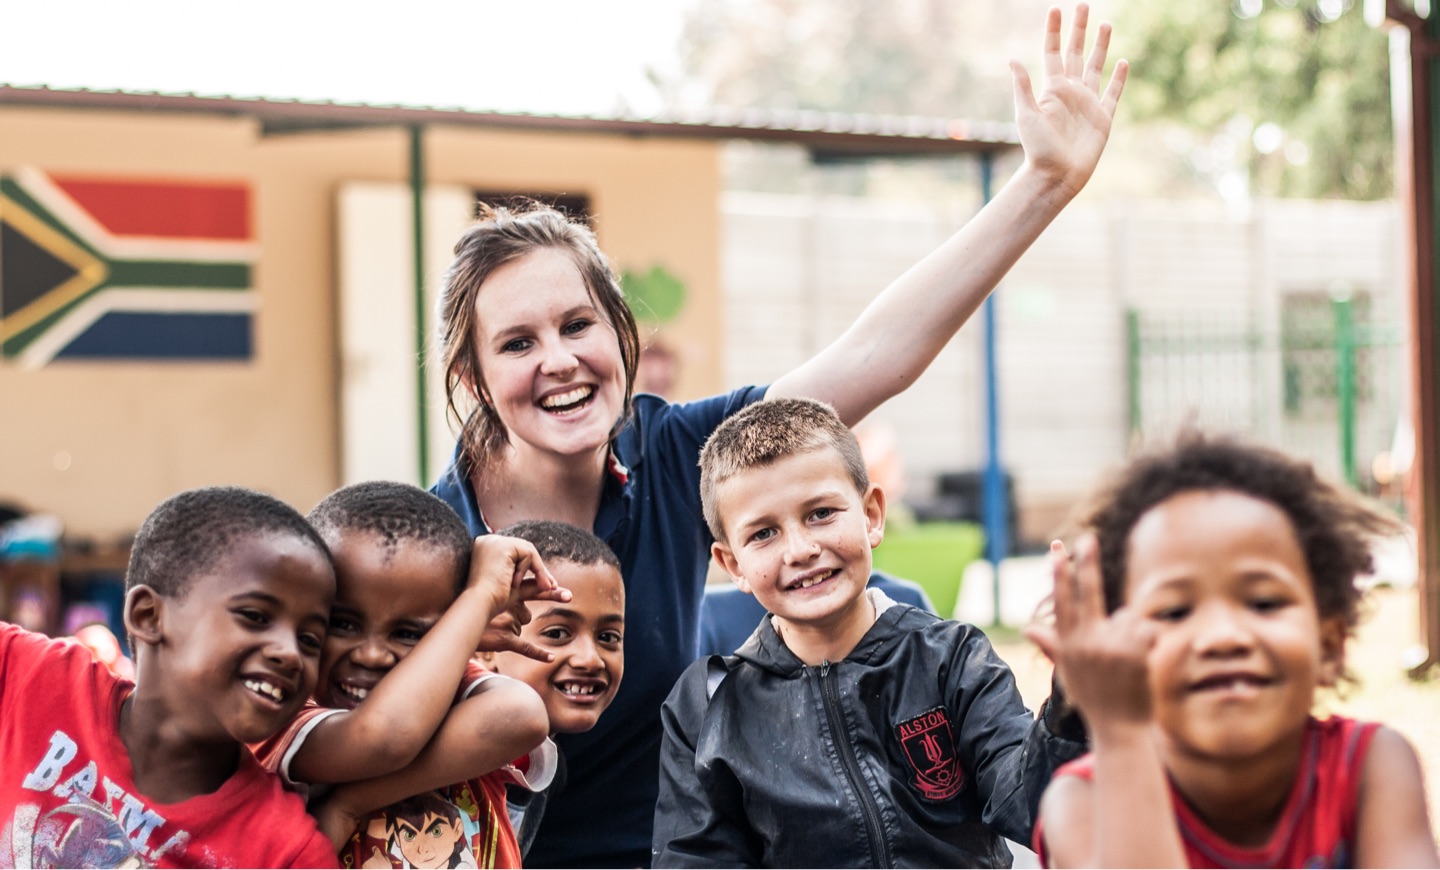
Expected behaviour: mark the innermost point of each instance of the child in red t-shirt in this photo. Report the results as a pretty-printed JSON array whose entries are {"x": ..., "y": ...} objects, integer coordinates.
[
  {"x": 227, "y": 597},
  {"x": 416, "y": 597},
  {"x": 1210, "y": 600}
]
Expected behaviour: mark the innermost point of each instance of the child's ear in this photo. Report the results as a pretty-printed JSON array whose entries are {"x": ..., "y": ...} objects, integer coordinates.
[
  {"x": 143, "y": 608},
  {"x": 875, "y": 514},
  {"x": 726, "y": 558},
  {"x": 1332, "y": 649}
]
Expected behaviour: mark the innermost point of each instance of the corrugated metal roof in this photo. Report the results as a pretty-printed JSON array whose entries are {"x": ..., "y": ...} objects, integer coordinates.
[{"x": 825, "y": 134}]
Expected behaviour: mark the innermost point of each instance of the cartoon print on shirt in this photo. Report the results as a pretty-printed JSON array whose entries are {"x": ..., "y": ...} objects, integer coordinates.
[
  {"x": 424, "y": 831},
  {"x": 82, "y": 834},
  {"x": 99, "y": 825}
]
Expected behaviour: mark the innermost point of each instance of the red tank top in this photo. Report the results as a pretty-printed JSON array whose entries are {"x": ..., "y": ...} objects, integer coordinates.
[{"x": 1317, "y": 826}]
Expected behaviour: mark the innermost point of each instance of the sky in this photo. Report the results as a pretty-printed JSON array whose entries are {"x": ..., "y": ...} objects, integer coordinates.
[{"x": 556, "y": 56}]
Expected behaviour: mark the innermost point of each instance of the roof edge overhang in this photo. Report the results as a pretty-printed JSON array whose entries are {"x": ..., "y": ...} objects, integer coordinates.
[{"x": 827, "y": 135}]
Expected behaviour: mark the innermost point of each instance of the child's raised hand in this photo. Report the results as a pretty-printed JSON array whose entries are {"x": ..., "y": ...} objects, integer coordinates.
[
  {"x": 1100, "y": 660},
  {"x": 1065, "y": 130},
  {"x": 511, "y": 572}
]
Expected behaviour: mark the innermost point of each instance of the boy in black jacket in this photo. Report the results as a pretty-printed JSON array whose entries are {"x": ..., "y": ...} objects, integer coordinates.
[{"x": 849, "y": 731}]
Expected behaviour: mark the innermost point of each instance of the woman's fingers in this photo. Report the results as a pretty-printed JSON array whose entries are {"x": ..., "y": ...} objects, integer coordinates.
[
  {"x": 1054, "y": 66},
  {"x": 1096, "y": 65},
  {"x": 1111, "y": 97},
  {"x": 1024, "y": 93},
  {"x": 1075, "y": 53}
]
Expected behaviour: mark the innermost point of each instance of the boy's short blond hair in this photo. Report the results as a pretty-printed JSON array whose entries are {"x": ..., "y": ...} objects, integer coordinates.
[{"x": 766, "y": 432}]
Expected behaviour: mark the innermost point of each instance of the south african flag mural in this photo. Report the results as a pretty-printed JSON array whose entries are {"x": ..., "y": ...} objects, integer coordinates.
[{"x": 109, "y": 268}]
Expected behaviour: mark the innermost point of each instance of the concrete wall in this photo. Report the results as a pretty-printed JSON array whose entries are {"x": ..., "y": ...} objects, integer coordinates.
[{"x": 797, "y": 270}]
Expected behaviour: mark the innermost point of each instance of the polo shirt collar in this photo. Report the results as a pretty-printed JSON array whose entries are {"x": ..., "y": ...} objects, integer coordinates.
[{"x": 454, "y": 487}]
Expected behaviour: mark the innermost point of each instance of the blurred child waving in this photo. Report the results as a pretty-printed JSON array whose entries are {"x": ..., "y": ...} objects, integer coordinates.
[{"x": 1212, "y": 597}]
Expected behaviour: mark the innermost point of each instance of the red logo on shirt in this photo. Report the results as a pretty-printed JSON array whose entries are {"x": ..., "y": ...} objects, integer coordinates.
[{"x": 929, "y": 745}]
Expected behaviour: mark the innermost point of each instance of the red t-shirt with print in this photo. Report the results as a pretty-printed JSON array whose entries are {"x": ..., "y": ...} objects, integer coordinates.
[{"x": 67, "y": 789}]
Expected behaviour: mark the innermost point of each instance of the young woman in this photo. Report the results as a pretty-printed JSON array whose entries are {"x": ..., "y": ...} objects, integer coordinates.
[{"x": 538, "y": 338}]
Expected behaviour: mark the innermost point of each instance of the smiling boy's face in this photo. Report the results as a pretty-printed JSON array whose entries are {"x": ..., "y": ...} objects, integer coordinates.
[
  {"x": 587, "y": 637},
  {"x": 386, "y": 599},
  {"x": 798, "y": 536},
  {"x": 240, "y": 647}
]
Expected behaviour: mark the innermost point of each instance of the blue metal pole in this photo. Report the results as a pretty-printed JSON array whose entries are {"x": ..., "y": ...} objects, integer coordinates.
[{"x": 995, "y": 506}]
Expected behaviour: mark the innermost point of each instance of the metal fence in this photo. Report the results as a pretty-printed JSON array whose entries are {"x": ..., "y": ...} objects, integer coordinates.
[{"x": 1322, "y": 380}]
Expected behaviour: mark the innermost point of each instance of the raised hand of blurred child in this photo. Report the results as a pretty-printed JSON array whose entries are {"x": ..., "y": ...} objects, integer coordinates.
[{"x": 1101, "y": 662}]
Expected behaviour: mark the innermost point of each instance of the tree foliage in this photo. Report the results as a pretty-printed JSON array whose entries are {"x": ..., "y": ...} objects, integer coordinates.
[
  {"x": 1248, "y": 97},
  {"x": 903, "y": 57},
  {"x": 1295, "y": 95}
]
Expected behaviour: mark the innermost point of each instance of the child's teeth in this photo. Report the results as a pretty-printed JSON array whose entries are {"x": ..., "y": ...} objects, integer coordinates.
[
  {"x": 265, "y": 689},
  {"x": 806, "y": 584}
]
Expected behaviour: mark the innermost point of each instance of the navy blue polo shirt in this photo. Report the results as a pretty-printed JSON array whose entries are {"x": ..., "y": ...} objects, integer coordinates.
[
  {"x": 729, "y": 616},
  {"x": 653, "y": 521}
]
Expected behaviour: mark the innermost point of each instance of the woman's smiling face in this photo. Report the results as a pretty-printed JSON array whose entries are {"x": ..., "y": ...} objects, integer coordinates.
[{"x": 550, "y": 362}]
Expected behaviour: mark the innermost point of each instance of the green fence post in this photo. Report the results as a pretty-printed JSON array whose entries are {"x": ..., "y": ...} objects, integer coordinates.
[
  {"x": 1132, "y": 369},
  {"x": 417, "y": 241},
  {"x": 1345, "y": 383}
]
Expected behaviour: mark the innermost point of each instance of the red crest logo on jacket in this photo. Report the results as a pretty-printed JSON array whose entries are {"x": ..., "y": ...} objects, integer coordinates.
[{"x": 929, "y": 744}]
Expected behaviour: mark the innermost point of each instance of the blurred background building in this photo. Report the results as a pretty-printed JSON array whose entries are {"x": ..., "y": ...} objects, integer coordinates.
[{"x": 224, "y": 289}]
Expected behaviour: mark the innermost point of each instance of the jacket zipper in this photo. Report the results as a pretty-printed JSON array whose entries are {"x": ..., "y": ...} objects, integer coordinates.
[{"x": 831, "y": 696}]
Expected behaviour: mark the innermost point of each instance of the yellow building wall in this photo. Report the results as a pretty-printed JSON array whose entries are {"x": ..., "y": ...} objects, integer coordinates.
[{"x": 101, "y": 443}]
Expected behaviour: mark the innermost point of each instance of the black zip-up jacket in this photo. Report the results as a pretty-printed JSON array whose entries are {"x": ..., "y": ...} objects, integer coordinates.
[{"x": 915, "y": 750}]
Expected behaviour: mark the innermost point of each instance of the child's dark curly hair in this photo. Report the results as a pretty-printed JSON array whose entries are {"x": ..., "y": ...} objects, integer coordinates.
[{"x": 1333, "y": 525}]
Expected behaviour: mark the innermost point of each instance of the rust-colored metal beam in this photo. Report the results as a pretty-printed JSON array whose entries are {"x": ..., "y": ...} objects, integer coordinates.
[{"x": 1420, "y": 198}]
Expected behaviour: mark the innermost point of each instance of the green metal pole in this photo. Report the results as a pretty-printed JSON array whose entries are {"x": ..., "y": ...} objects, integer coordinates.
[
  {"x": 1132, "y": 369},
  {"x": 417, "y": 225},
  {"x": 1345, "y": 384}
]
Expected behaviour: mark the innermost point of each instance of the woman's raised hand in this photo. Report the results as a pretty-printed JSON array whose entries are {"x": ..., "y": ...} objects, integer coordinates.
[{"x": 1064, "y": 131}]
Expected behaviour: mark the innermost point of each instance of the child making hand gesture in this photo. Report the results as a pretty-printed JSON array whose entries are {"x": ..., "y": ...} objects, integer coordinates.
[
  {"x": 400, "y": 710},
  {"x": 1212, "y": 596}
]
